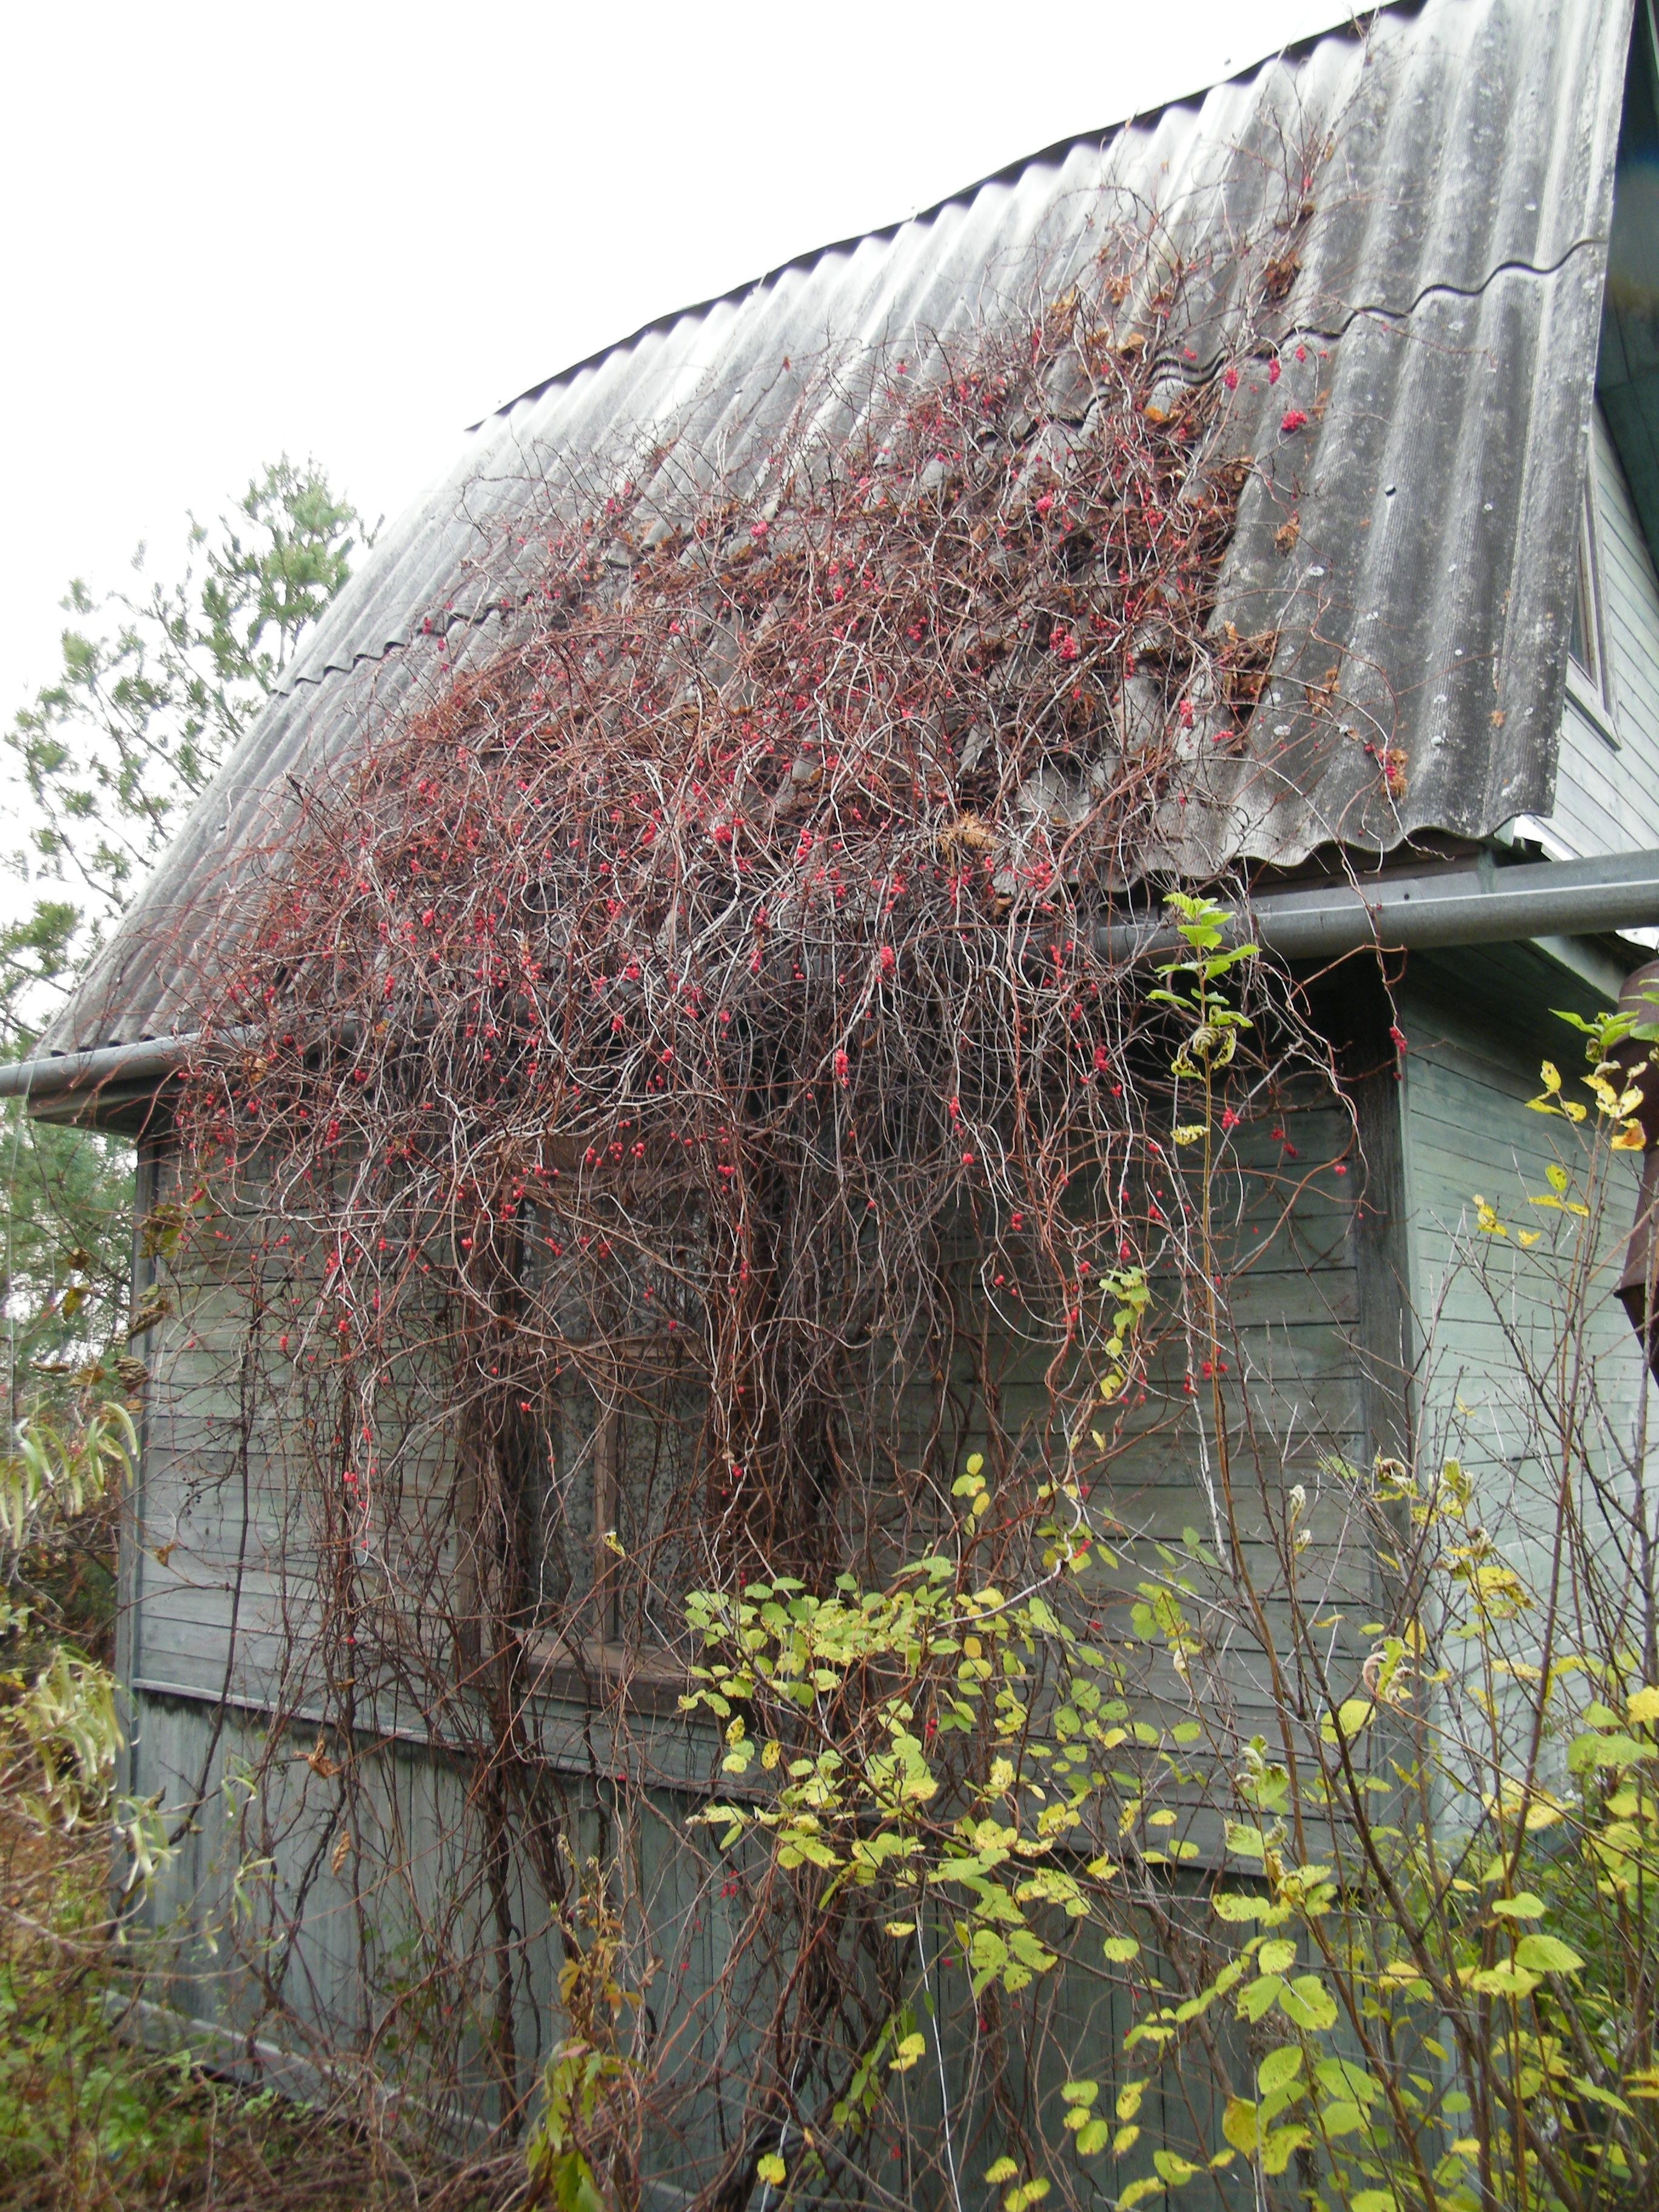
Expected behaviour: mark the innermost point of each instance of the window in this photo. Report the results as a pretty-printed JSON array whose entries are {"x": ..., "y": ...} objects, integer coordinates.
[
  {"x": 1587, "y": 640},
  {"x": 622, "y": 1509},
  {"x": 616, "y": 1447}
]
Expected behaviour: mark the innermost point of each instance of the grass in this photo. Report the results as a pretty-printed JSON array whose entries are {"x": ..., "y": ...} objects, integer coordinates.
[{"x": 91, "y": 2121}]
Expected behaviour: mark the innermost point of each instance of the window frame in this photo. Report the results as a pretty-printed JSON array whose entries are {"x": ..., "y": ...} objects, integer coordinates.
[
  {"x": 1590, "y": 689},
  {"x": 603, "y": 1660},
  {"x": 600, "y": 1658}
]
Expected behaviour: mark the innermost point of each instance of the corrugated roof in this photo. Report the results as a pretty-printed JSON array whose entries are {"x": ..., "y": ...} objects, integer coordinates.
[{"x": 1445, "y": 310}]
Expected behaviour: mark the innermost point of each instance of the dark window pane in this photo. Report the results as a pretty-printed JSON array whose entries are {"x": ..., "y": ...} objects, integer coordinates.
[{"x": 1584, "y": 638}]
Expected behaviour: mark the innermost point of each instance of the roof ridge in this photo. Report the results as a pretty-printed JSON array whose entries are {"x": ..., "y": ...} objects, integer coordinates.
[{"x": 1353, "y": 22}]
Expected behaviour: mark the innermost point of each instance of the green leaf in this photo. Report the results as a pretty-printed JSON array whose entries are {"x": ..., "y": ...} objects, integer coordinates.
[
  {"x": 1592, "y": 1750},
  {"x": 1307, "y": 2004},
  {"x": 1273, "y": 1958},
  {"x": 1598, "y": 2095},
  {"x": 1278, "y": 2067},
  {"x": 1342, "y": 2117},
  {"x": 1030, "y": 1952},
  {"x": 573, "y": 2188},
  {"x": 1119, "y": 1949},
  {"x": 1547, "y": 1954},
  {"x": 1343, "y": 2078},
  {"x": 1257, "y": 1997}
]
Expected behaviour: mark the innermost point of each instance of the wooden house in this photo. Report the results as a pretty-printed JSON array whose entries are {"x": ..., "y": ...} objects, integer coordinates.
[{"x": 1453, "y": 423}]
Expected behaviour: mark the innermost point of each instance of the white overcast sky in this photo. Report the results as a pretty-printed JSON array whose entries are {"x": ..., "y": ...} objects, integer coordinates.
[{"x": 350, "y": 229}]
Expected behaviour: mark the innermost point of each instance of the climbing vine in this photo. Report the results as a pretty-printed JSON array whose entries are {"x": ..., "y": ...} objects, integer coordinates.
[{"x": 662, "y": 1110}]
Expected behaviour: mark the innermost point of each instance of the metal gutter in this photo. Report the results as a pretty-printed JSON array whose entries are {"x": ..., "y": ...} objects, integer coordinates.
[
  {"x": 1482, "y": 905},
  {"x": 152, "y": 1060}
]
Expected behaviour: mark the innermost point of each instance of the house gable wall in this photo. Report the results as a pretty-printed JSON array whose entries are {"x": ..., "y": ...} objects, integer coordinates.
[
  {"x": 1485, "y": 1305},
  {"x": 219, "y": 1646},
  {"x": 1606, "y": 789}
]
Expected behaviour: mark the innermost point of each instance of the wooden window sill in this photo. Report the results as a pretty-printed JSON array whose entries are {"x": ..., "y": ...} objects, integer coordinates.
[{"x": 588, "y": 1671}]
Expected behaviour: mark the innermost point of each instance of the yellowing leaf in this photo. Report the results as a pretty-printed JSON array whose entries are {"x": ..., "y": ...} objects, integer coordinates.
[
  {"x": 1645, "y": 1704},
  {"x": 1227, "y": 1904},
  {"x": 1174, "y": 2169},
  {"x": 1278, "y": 2143},
  {"x": 771, "y": 2168},
  {"x": 1506, "y": 1980},
  {"x": 1351, "y": 1716},
  {"x": 1399, "y": 1973},
  {"x": 1238, "y": 2124},
  {"x": 911, "y": 2048}
]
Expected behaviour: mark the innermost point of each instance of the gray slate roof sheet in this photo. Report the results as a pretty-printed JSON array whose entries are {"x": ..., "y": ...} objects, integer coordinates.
[{"x": 1449, "y": 294}]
